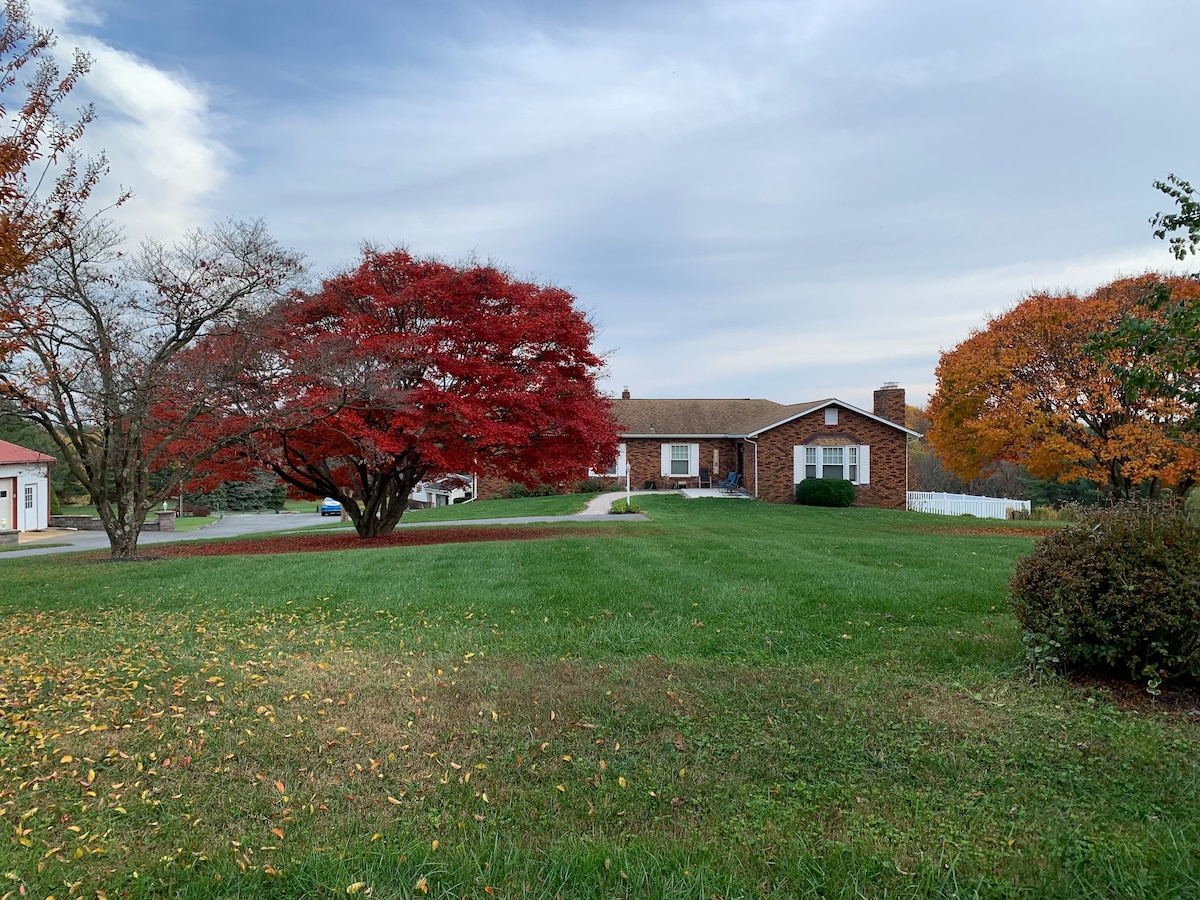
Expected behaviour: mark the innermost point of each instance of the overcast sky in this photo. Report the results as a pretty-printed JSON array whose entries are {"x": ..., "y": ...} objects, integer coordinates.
[{"x": 751, "y": 198}]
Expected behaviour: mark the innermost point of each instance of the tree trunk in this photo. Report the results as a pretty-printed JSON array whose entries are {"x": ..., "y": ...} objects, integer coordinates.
[
  {"x": 123, "y": 525},
  {"x": 383, "y": 506},
  {"x": 123, "y": 541}
]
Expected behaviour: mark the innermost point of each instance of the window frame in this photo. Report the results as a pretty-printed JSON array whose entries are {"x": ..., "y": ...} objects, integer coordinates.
[
  {"x": 809, "y": 461},
  {"x": 668, "y": 468}
]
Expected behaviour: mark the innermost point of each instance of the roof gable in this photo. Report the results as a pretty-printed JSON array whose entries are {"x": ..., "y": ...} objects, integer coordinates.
[{"x": 821, "y": 404}]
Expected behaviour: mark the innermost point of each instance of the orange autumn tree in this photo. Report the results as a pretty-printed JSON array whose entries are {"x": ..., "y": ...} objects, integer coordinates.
[{"x": 1027, "y": 389}]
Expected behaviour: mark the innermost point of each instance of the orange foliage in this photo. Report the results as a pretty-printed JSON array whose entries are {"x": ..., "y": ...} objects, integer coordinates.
[{"x": 1025, "y": 390}]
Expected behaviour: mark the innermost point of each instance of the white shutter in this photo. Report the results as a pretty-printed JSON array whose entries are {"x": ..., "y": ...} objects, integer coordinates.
[
  {"x": 797, "y": 464},
  {"x": 666, "y": 460},
  {"x": 864, "y": 464},
  {"x": 693, "y": 460}
]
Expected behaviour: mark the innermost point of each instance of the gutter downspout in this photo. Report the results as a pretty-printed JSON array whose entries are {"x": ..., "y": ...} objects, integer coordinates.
[{"x": 755, "y": 443}]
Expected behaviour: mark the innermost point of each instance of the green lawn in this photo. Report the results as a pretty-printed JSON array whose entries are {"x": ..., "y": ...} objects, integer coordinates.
[{"x": 733, "y": 700}]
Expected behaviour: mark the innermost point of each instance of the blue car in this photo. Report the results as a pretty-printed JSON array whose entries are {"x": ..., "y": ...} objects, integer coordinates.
[{"x": 330, "y": 507}]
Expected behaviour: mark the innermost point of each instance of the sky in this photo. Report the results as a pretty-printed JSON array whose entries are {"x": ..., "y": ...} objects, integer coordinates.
[{"x": 749, "y": 198}]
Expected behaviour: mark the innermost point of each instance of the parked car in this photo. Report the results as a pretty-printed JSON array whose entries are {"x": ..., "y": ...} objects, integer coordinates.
[{"x": 330, "y": 507}]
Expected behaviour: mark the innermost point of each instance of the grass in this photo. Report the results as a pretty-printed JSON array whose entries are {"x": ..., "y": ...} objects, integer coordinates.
[{"x": 736, "y": 699}]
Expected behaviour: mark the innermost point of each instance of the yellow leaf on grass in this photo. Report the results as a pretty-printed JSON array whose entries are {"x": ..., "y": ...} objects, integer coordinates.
[
  {"x": 356, "y": 887},
  {"x": 435, "y": 844},
  {"x": 621, "y": 781},
  {"x": 392, "y": 799},
  {"x": 422, "y": 885}
]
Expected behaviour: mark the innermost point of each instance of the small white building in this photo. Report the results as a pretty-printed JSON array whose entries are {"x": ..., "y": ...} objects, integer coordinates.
[
  {"x": 443, "y": 492},
  {"x": 24, "y": 488}
]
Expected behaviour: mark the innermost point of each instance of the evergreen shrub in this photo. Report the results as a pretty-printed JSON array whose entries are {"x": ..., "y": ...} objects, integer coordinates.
[{"x": 825, "y": 492}]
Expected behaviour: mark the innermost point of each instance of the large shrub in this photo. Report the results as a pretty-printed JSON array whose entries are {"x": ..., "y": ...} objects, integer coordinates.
[
  {"x": 1117, "y": 589},
  {"x": 825, "y": 492}
]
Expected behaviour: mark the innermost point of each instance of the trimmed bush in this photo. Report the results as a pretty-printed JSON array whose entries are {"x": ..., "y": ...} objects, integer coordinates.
[
  {"x": 825, "y": 492},
  {"x": 622, "y": 507},
  {"x": 1116, "y": 590},
  {"x": 517, "y": 490},
  {"x": 590, "y": 486}
]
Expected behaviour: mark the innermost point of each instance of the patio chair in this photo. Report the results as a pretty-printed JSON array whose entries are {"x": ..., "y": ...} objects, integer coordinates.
[
  {"x": 732, "y": 483},
  {"x": 705, "y": 478}
]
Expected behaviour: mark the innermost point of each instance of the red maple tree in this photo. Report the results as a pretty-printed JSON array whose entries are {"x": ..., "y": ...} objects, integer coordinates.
[{"x": 407, "y": 369}]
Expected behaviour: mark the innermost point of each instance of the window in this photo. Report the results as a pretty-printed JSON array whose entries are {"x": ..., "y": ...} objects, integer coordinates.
[
  {"x": 680, "y": 460},
  {"x": 831, "y": 462},
  {"x": 29, "y": 496},
  {"x": 831, "y": 415},
  {"x": 617, "y": 469},
  {"x": 852, "y": 462}
]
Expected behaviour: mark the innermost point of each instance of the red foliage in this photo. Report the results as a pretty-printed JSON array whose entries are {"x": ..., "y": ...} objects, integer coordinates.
[{"x": 405, "y": 369}]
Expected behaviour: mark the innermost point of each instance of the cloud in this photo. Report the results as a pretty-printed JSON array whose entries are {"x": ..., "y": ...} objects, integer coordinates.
[{"x": 156, "y": 128}]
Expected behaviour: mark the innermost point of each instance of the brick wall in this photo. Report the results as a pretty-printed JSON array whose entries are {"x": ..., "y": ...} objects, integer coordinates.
[
  {"x": 644, "y": 456},
  {"x": 888, "y": 456}
]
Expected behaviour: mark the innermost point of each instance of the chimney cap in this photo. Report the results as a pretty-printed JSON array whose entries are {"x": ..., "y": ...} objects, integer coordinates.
[
  {"x": 625, "y": 392},
  {"x": 889, "y": 386}
]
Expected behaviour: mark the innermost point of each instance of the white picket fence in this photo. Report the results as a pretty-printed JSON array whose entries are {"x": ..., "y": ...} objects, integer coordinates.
[{"x": 964, "y": 504}]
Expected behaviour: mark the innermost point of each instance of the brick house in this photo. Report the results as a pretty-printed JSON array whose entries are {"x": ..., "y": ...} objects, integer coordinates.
[{"x": 774, "y": 446}]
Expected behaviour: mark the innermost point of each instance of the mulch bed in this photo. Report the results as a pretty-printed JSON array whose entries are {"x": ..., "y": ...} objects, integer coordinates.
[
  {"x": 1000, "y": 531},
  {"x": 1180, "y": 697},
  {"x": 405, "y": 537}
]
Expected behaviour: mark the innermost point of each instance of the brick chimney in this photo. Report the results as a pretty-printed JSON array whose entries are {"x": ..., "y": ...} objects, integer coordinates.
[
  {"x": 889, "y": 403},
  {"x": 625, "y": 394}
]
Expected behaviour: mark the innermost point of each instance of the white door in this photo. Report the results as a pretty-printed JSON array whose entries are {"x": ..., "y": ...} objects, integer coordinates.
[
  {"x": 29, "y": 515},
  {"x": 8, "y": 504}
]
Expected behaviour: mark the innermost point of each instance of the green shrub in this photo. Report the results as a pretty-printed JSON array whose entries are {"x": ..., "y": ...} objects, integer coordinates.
[
  {"x": 1117, "y": 589},
  {"x": 825, "y": 492},
  {"x": 590, "y": 486},
  {"x": 620, "y": 507},
  {"x": 517, "y": 491}
]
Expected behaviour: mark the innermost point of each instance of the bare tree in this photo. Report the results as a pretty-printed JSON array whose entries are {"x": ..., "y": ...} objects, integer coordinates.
[{"x": 107, "y": 355}]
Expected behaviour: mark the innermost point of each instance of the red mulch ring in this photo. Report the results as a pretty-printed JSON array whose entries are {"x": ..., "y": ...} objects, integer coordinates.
[{"x": 404, "y": 537}]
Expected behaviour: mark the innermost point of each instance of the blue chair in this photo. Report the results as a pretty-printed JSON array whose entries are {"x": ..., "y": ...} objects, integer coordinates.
[{"x": 732, "y": 484}]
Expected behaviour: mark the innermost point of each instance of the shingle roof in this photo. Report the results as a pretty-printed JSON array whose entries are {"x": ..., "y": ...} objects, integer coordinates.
[
  {"x": 702, "y": 417},
  {"x": 11, "y": 454}
]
